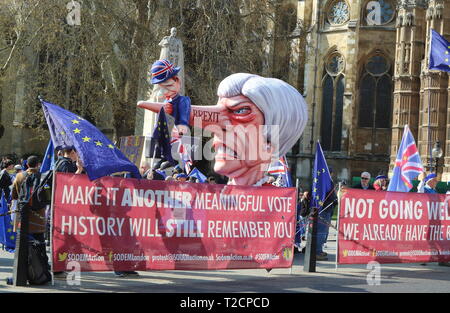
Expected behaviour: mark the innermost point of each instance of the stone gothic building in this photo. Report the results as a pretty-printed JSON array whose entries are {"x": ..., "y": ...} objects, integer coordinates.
[
  {"x": 363, "y": 73},
  {"x": 366, "y": 77}
]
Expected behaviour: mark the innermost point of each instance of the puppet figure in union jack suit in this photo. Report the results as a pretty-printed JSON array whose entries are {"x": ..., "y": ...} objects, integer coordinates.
[{"x": 164, "y": 74}]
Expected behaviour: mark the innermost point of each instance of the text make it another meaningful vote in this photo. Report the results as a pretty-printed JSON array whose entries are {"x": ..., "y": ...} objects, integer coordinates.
[
  {"x": 174, "y": 227},
  {"x": 396, "y": 210}
]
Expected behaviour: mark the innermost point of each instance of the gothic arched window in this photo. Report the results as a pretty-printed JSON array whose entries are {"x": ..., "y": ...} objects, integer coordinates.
[
  {"x": 375, "y": 95},
  {"x": 333, "y": 85}
]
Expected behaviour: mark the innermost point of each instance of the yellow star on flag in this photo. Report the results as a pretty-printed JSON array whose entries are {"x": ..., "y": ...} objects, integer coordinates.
[
  {"x": 98, "y": 143},
  {"x": 87, "y": 139},
  {"x": 75, "y": 122},
  {"x": 63, "y": 133},
  {"x": 77, "y": 131},
  {"x": 111, "y": 146}
]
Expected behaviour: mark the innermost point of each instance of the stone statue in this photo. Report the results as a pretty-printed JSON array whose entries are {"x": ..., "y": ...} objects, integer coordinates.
[{"x": 172, "y": 50}]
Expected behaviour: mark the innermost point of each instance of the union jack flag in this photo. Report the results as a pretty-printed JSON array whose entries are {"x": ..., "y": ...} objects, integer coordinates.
[
  {"x": 162, "y": 68},
  {"x": 281, "y": 168},
  {"x": 184, "y": 153},
  {"x": 408, "y": 164}
]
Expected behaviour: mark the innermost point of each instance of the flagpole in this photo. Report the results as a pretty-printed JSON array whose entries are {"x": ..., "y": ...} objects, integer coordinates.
[
  {"x": 429, "y": 120},
  {"x": 429, "y": 101}
]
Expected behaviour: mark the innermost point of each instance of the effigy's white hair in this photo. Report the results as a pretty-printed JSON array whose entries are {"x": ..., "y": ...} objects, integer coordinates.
[{"x": 282, "y": 105}]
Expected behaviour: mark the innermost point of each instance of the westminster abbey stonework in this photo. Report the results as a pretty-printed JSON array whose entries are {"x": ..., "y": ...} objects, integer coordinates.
[{"x": 366, "y": 77}]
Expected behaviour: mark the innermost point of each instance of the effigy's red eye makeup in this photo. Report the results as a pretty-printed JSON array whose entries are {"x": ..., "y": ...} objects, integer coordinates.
[{"x": 242, "y": 111}]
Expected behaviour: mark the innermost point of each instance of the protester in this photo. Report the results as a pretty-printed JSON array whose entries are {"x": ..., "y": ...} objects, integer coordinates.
[
  {"x": 380, "y": 183},
  {"x": 271, "y": 180},
  {"x": 156, "y": 175},
  {"x": 365, "y": 182},
  {"x": 37, "y": 221},
  {"x": 177, "y": 170},
  {"x": 144, "y": 170},
  {"x": 18, "y": 168},
  {"x": 303, "y": 211},
  {"x": 430, "y": 183},
  {"x": 192, "y": 179},
  {"x": 325, "y": 214},
  {"x": 67, "y": 162},
  {"x": 6, "y": 177},
  {"x": 181, "y": 177}
]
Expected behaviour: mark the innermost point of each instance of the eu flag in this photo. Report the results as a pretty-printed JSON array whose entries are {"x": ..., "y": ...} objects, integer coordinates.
[
  {"x": 100, "y": 157},
  {"x": 323, "y": 186},
  {"x": 7, "y": 235},
  {"x": 197, "y": 174},
  {"x": 439, "y": 53},
  {"x": 160, "y": 144},
  {"x": 408, "y": 164},
  {"x": 49, "y": 158}
]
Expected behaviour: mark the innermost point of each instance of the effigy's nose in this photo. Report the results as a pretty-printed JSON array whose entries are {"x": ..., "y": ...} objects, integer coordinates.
[
  {"x": 152, "y": 106},
  {"x": 203, "y": 116}
]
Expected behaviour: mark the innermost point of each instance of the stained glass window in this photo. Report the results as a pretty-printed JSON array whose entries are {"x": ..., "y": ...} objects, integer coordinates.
[
  {"x": 333, "y": 86},
  {"x": 337, "y": 127},
  {"x": 375, "y": 94},
  {"x": 338, "y": 13},
  {"x": 327, "y": 112}
]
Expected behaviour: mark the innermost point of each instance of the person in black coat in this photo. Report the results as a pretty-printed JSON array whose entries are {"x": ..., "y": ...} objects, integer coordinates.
[{"x": 365, "y": 182}]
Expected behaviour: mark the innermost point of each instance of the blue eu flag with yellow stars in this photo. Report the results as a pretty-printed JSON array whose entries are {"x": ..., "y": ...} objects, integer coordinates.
[
  {"x": 160, "y": 144},
  {"x": 322, "y": 184},
  {"x": 48, "y": 162},
  {"x": 7, "y": 235},
  {"x": 439, "y": 53},
  {"x": 100, "y": 157}
]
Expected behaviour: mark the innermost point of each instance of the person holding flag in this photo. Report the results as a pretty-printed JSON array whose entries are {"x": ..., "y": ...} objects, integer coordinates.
[
  {"x": 323, "y": 199},
  {"x": 408, "y": 164},
  {"x": 95, "y": 152}
]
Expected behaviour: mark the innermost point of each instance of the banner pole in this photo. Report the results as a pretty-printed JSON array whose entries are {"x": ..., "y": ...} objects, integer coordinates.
[
  {"x": 337, "y": 226},
  {"x": 295, "y": 224},
  {"x": 153, "y": 159},
  {"x": 51, "y": 225}
]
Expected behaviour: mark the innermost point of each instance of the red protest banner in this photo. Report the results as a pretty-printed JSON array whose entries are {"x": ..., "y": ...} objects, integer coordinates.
[
  {"x": 393, "y": 227},
  {"x": 129, "y": 224}
]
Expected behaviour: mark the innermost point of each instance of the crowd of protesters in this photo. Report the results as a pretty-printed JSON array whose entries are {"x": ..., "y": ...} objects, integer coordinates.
[{"x": 69, "y": 162}]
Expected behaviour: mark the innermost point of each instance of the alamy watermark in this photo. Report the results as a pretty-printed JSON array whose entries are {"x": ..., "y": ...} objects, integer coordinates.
[
  {"x": 73, "y": 273},
  {"x": 373, "y": 278}
]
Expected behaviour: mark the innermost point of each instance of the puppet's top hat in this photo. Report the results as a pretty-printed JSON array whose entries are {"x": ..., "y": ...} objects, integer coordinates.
[{"x": 162, "y": 70}]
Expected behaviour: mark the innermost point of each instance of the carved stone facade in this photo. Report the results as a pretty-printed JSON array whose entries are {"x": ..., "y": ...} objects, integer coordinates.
[
  {"x": 348, "y": 86},
  {"x": 372, "y": 37}
]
